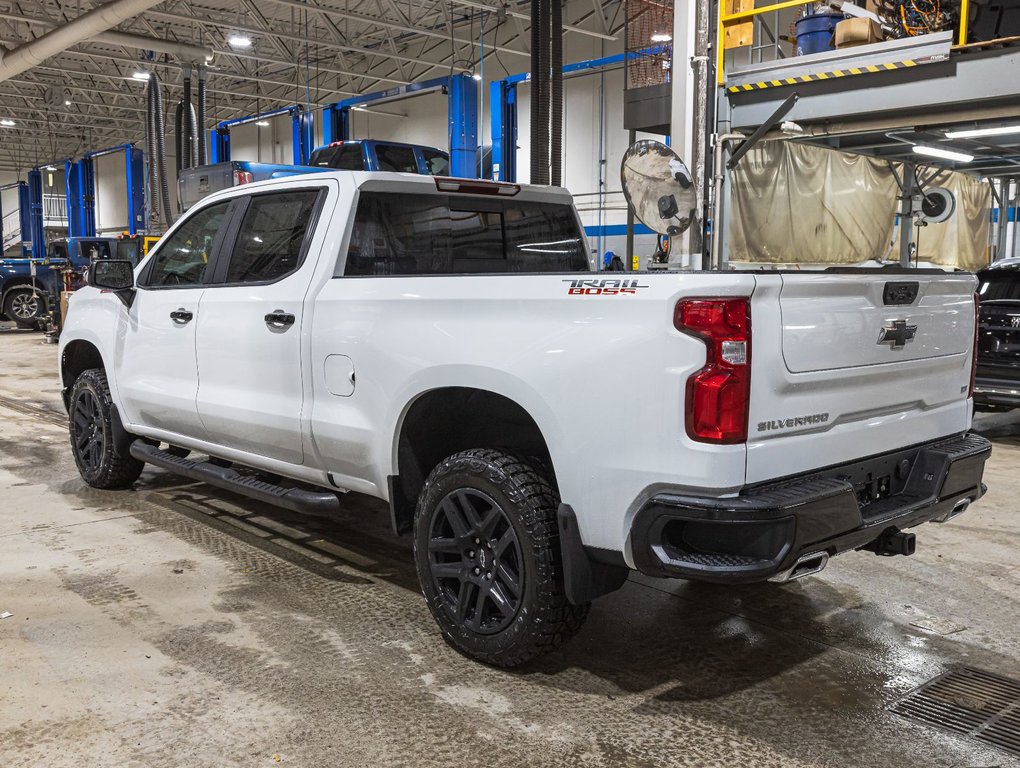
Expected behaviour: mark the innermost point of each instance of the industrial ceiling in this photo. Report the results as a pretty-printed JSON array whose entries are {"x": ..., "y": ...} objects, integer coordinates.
[{"x": 300, "y": 51}]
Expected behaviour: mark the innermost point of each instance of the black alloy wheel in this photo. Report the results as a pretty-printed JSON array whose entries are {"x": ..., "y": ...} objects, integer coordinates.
[
  {"x": 91, "y": 417},
  {"x": 487, "y": 551},
  {"x": 88, "y": 432},
  {"x": 476, "y": 562}
]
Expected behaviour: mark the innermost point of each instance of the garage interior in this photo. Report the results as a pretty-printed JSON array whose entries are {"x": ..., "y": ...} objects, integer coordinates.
[{"x": 179, "y": 623}]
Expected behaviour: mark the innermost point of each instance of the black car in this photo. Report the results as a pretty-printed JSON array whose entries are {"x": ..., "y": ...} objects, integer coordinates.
[{"x": 997, "y": 380}]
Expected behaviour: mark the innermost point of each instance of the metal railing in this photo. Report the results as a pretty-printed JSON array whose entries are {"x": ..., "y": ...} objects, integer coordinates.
[
  {"x": 11, "y": 229},
  {"x": 729, "y": 20},
  {"x": 54, "y": 208}
]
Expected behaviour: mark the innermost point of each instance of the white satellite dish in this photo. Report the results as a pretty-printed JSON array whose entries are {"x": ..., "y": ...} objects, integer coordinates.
[{"x": 658, "y": 187}]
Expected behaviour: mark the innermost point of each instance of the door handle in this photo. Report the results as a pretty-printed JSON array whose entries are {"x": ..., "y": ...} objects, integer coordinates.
[
  {"x": 279, "y": 319},
  {"x": 181, "y": 316}
]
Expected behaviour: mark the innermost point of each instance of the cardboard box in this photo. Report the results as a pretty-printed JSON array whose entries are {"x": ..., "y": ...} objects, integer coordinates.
[{"x": 851, "y": 32}]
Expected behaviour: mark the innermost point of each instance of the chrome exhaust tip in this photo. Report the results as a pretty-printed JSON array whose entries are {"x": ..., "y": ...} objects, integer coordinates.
[
  {"x": 958, "y": 509},
  {"x": 806, "y": 565}
]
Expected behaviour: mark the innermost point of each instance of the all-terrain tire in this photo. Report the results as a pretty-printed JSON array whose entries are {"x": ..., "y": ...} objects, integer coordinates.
[
  {"x": 25, "y": 306},
  {"x": 90, "y": 423},
  {"x": 485, "y": 523}
]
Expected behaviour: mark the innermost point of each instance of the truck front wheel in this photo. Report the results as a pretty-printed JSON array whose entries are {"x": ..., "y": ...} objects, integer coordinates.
[
  {"x": 486, "y": 546},
  {"x": 25, "y": 307},
  {"x": 92, "y": 442}
]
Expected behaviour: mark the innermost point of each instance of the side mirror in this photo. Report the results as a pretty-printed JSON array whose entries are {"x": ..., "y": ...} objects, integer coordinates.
[{"x": 115, "y": 275}]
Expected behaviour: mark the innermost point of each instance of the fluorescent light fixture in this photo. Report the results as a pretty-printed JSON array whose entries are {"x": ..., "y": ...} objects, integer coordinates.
[
  {"x": 945, "y": 154},
  {"x": 262, "y": 123},
  {"x": 661, "y": 37},
  {"x": 140, "y": 75},
  {"x": 7, "y": 122},
  {"x": 51, "y": 167},
  {"x": 237, "y": 40},
  {"x": 476, "y": 76},
  {"x": 1002, "y": 130}
]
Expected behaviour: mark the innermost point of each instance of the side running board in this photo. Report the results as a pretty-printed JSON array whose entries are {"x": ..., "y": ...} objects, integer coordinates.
[{"x": 320, "y": 503}]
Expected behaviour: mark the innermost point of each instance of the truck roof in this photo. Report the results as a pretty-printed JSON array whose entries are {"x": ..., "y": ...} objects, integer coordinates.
[{"x": 413, "y": 183}]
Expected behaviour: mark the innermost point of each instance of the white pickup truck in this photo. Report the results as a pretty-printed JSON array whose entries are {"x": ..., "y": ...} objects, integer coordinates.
[{"x": 540, "y": 429}]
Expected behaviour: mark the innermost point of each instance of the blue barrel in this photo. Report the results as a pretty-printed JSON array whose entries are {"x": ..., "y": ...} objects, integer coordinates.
[{"x": 815, "y": 32}]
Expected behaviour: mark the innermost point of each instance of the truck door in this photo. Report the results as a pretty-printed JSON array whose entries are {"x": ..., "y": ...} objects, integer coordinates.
[
  {"x": 157, "y": 375},
  {"x": 250, "y": 348}
]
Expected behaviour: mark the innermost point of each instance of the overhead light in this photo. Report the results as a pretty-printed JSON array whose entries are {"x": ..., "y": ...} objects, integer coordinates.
[
  {"x": 67, "y": 102},
  {"x": 262, "y": 123},
  {"x": 140, "y": 75},
  {"x": 945, "y": 154},
  {"x": 975, "y": 132},
  {"x": 237, "y": 40},
  {"x": 51, "y": 167},
  {"x": 661, "y": 37},
  {"x": 7, "y": 122},
  {"x": 476, "y": 76}
]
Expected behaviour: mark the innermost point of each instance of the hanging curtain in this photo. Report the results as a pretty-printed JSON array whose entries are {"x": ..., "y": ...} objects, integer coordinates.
[{"x": 801, "y": 204}]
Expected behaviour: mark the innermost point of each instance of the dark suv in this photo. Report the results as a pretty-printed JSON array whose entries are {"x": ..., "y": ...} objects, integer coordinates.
[{"x": 997, "y": 381}]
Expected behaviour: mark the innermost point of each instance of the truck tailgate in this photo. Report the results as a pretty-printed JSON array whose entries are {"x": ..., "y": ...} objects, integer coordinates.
[{"x": 871, "y": 362}]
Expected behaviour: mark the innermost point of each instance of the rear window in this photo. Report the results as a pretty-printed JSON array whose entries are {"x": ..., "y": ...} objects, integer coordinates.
[
  {"x": 404, "y": 234},
  {"x": 999, "y": 285},
  {"x": 346, "y": 157},
  {"x": 393, "y": 158}
]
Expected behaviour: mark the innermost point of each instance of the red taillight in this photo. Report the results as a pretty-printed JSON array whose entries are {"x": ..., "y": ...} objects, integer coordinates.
[
  {"x": 974, "y": 357},
  {"x": 243, "y": 177},
  {"x": 718, "y": 394}
]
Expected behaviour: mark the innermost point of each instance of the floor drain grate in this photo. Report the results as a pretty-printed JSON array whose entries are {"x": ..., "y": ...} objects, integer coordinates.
[{"x": 971, "y": 702}]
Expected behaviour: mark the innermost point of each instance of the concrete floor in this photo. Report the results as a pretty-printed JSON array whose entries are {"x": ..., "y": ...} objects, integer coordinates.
[{"x": 179, "y": 625}]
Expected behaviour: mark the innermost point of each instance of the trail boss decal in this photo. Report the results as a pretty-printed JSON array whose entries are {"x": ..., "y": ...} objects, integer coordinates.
[
  {"x": 605, "y": 287},
  {"x": 797, "y": 421}
]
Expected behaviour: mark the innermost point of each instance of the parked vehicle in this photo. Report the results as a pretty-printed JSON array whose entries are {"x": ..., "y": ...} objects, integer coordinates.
[
  {"x": 373, "y": 155},
  {"x": 356, "y": 155},
  {"x": 540, "y": 430},
  {"x": 27, "y": 285},
  {"x": 997, "y": 378}
]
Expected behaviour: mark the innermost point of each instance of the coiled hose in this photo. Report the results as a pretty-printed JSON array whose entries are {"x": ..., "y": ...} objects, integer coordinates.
[
  {"x": 203, "y": 156},
  {"x": 157, "y": 163},
  {"x": 556, "y": 123}
]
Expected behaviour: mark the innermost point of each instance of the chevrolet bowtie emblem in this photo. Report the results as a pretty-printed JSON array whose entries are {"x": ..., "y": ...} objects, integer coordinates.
[{"x": 898, "y": 334}]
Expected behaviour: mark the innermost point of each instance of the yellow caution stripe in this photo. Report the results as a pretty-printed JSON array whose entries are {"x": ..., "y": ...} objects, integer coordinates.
[{"x": 822, "y": 76}]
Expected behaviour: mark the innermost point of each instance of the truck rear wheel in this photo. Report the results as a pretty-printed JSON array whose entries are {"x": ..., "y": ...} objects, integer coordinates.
[
  {"x": 486, "y": 546},
  {"x": 91, "y": 427},
  {"x": 25, "y": 307}
]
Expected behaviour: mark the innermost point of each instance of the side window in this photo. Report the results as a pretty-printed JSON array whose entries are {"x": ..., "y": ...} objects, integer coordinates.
[
  {"x": 183, "y": 257},
  {"x": 398, "y": 234},
  {"x": 437, "y": 163},
  {"x": 270, "y": 239},
  {"x": 394, "y": 158}
]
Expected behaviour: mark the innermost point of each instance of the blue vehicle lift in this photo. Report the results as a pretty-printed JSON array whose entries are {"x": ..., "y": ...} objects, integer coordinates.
[
  {"x": 81, "y": 190},
  {"x": 219, "y": 137},
  {"x": 37, "y": 235},
  {"x": 503, "y": 109},
  {"x": 462, "y": 120}
]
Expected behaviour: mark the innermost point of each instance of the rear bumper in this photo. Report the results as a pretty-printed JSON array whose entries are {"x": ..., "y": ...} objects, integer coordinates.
[
  {"x": 1000, "y": 392},
  {"x": 764, "y": 531}
]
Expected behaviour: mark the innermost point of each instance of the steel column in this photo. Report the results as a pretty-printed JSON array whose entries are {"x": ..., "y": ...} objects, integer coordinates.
[
  {"x": 37, "y": 234},
  {"x": 463, "y": 126}
]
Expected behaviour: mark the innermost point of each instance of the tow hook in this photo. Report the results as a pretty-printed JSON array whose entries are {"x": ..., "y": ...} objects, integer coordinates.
[{"x": 893, "y": 541}]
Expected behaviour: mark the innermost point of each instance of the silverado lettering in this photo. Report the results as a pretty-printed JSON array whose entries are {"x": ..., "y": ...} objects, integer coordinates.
[{"x": 797, "y": 421}]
